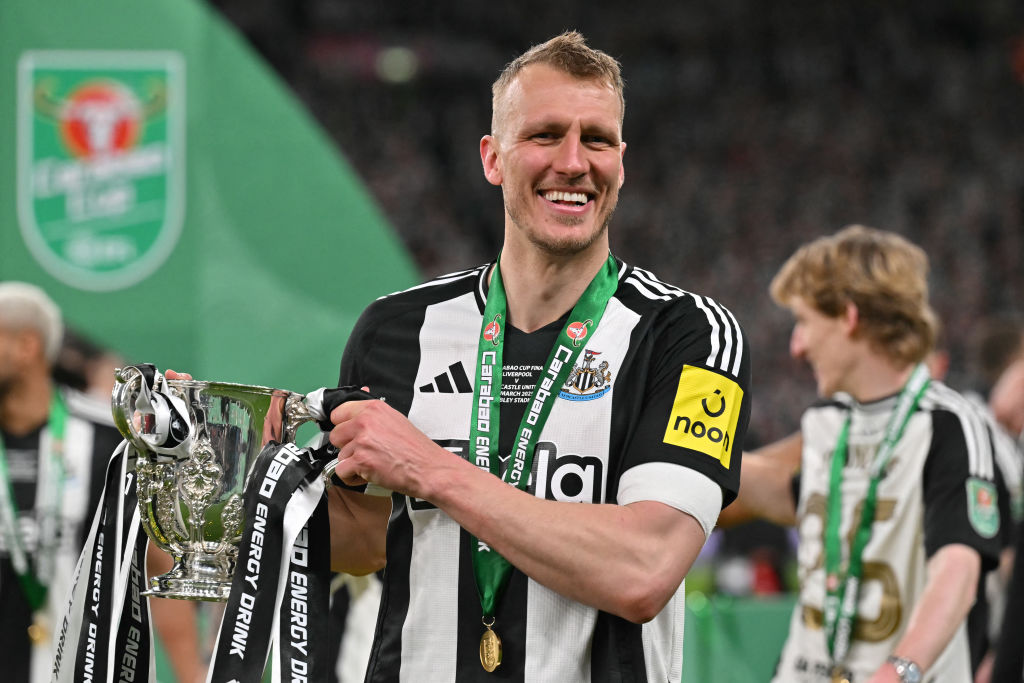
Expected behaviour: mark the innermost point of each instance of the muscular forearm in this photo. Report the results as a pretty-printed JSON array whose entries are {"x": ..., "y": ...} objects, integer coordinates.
[
  {"x": 624, "y": 559},
  {"x": 627, "y": 560},
  {"x": 952, "y": 584}
]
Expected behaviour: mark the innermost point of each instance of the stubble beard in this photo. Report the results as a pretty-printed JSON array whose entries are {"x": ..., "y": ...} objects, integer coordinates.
[{"x": 566, "y": 246}]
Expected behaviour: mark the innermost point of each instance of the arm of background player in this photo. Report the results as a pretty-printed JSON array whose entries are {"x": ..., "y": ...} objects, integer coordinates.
[
  {"x": 948, "y": 595},
  {"x": 176, "y": 625},
  {"x": 766, "y": 480},
  {"x": 1007, "y": 398}
]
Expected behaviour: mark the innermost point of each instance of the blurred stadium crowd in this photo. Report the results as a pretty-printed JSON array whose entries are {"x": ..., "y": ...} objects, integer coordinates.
[{"x": 751, "y": 128}]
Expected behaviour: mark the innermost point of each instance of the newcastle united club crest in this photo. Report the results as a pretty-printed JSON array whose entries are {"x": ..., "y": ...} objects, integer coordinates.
[{"x": 586, "y": 382}]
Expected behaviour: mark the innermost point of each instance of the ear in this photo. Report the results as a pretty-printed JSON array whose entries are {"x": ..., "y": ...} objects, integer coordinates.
[
  {"x": 491, "y": 160},
  {"x": 622, "y": 167},
  {"x": 851, "y": 318}
]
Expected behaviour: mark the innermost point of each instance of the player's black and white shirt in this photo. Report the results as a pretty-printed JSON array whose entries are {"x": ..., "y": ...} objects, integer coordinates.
[
  {"x": 656, "y": 409},
  {"x": 938, "y": 489},
  {"x": 89, "y": 439}
]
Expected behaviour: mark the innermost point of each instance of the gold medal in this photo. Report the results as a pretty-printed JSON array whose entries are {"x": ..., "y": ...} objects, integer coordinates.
[
  {"x": 37, "y": 632},
  {"x": 839, "y": 675},
  {"x": 490, "y": 647}
]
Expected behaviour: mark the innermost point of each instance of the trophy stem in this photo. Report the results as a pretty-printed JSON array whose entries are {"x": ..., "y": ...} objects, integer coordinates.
[{"x": 195, "y": 576}]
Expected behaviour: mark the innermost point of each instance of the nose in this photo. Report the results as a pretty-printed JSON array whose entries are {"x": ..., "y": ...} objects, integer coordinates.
[
  {"x": 797, "y": 346},
  {"x": 570, "y": 157}
]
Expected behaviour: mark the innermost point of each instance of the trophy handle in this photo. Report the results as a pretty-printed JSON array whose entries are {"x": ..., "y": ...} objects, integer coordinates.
[
  {"x": 148, "y": 418},
  {"x": 127, "y": 386},
  {"x": 296, "y": 414}
]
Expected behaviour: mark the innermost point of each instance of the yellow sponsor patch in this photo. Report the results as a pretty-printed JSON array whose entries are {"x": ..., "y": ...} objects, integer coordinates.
[{"x": 704, "y": 413}]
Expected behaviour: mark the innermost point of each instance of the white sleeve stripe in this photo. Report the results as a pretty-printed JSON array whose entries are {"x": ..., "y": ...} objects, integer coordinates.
[
  {"x": 440, "y": 280},
  {"x": 739, "y": 342},
  {"x": 654, "y": 282},
  {"x": 644, "y": 291},
  {"x": 714, "y": 331},
  {"x": 979, "y": 444},
  {"x": 723, "y": 324},
  {"x": 733, "y": 334},
  {"x": 729, "y": 338},
  {"x": 481, "y": 282}
]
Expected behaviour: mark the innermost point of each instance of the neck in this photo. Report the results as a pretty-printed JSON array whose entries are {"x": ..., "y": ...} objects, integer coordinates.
[
  {"x": 540, "y": 288},
  {"x": 879, "y": 377},
  {"x": 25, "y": 404}
]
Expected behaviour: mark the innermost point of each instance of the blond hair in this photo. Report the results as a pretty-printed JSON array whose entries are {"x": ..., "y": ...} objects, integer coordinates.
[
  {"x": 27, "y": 307},
  {"x": 884, "y": 275},
  {"x": 569, "y": 53}
]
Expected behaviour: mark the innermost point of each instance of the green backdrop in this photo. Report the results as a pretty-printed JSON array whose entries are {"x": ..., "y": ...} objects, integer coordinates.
[{"x": 269, "y": 245}]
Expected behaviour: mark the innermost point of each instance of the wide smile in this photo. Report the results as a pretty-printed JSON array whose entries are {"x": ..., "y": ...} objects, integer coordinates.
[{"x": 569, "y": 201}]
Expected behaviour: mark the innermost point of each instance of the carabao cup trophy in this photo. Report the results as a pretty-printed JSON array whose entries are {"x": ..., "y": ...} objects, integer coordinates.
[{"x": 196, "y": 443}]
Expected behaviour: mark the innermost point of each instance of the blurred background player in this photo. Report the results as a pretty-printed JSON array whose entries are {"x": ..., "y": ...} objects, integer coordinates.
[
  {"x": 896, "y": 488},
  {"x": 54, "y": 446}
]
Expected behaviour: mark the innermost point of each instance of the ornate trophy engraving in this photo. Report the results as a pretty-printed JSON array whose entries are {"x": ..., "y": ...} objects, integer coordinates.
[{"x": 196, "y": 442}]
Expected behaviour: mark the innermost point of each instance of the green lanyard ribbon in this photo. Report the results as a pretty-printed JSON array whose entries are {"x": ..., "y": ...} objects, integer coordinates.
[
  {"x": 490, "y": 568},
  {"x": 842, "y": 591},
  {"x": 34, "y": 581}
]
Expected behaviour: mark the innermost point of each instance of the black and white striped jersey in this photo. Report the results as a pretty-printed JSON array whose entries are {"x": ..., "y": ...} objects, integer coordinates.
[
  {"x": 656, "y": 408},
  {"x": 89, "y": 439},
  {"x": 938, "y": 489}
]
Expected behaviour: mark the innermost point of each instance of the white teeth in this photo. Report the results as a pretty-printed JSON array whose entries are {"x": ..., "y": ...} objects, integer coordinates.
[{"x": 556, "y": 196}]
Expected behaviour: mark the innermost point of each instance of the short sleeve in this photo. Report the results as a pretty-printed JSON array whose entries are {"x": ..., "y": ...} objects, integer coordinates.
[{"x": 960, "y": 495}]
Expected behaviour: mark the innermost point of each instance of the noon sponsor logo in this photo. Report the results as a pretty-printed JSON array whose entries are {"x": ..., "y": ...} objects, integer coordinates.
[{"x": 704, "y": 414}]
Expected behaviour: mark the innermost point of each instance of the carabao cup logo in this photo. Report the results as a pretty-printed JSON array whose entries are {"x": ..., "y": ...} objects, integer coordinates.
[
  {"x": 492, "y": 331},
  {"x": 101, "y": 154},
  {"x": 577, "y": 331}
]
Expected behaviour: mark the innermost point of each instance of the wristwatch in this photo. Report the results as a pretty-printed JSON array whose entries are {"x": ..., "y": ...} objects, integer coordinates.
[{"x": 906, "y": 669}]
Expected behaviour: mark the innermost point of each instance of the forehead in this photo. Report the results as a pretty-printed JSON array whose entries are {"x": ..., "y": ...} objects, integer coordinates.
[
  {"x": 543, "y": 93},
  {"x": 803, "y": 309}
]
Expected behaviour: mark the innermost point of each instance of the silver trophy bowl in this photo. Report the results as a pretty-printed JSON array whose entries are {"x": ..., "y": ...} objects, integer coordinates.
[{"x": 196, "y": 443}]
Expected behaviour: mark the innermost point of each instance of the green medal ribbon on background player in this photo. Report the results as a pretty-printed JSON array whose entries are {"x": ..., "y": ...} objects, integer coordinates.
[
  {"x": 490, "y": 568},
  {"x": 842, "y": 592},
  {"x": 34, "y": 581}
]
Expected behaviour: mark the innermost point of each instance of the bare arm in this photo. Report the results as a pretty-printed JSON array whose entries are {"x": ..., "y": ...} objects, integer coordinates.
[
  {"x": 947, "y": 598},
  {"x": 358, "y": 531},
  {"x": 627, "y": 560},
  {"x": 176, "y": 625},
  {"x": 1007, "y": 398},
  {"x": 765, "y": 484}
]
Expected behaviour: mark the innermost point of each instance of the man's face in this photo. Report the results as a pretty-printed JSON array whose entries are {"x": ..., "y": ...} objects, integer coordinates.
[
  {"x": 557, "y": 155},
  {"x": 824, "y": 342},
  {"x": 13, "y": 350}
]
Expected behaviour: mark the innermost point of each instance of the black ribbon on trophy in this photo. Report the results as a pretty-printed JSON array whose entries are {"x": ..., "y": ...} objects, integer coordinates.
[{"x": 280, "y": 591}]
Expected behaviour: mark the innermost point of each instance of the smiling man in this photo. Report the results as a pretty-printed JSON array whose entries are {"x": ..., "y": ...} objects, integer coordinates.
[
  {"x": 896, "y": 505},
  {"x": 560, "y": 431}
]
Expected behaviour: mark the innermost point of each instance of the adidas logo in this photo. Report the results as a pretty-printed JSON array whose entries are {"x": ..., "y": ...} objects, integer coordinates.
[{"x": 455, "y": 381}]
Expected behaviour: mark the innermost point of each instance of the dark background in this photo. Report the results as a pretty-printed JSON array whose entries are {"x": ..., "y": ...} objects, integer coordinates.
[{"x": 752, "y": 127}]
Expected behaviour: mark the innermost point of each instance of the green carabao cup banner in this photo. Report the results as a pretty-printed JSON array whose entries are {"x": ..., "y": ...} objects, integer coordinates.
[
  {"x": 174, "y": 197},
  {"x": 101, "y": 163}
]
